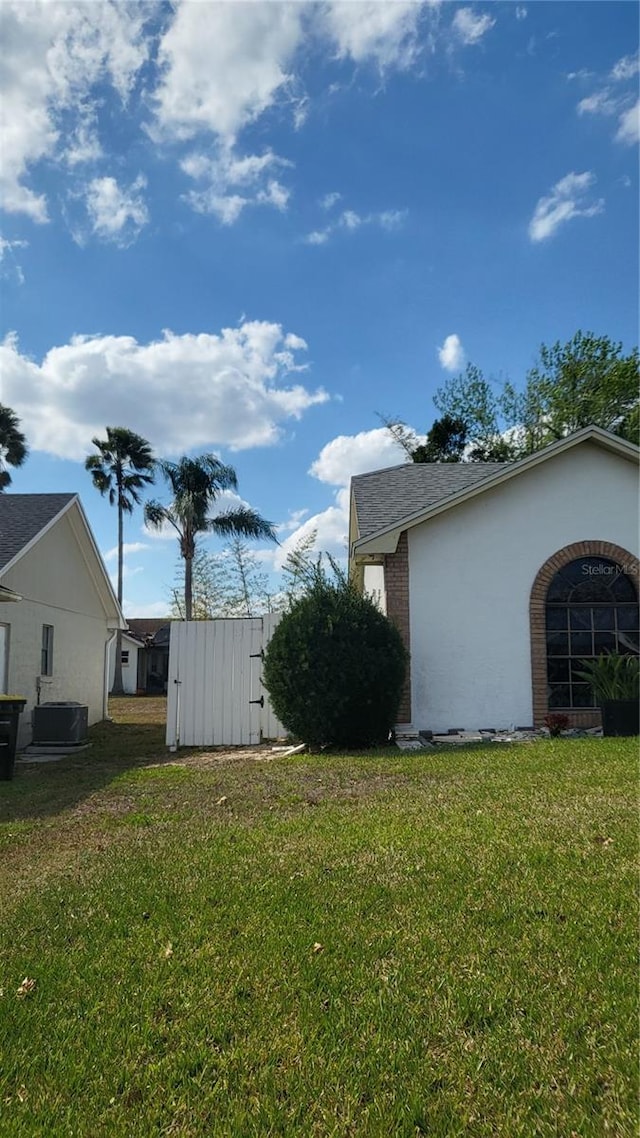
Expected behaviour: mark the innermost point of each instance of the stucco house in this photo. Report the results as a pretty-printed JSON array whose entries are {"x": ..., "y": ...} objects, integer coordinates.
[
  {"x": 53, "y": 640},
  {"x": 503, "y": 577}
]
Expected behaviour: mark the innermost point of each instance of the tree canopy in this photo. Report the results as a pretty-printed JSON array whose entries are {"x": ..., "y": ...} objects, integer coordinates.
[
  {"x": 13, "y": 444},
  {"x": 123, "y": 466},
  {"x": 196, "y": 484},
  {"x": 589, "y": 381}
]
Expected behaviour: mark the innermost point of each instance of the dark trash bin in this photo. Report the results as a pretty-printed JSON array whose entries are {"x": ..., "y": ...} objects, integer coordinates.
[{"x": 10, "y": 712}]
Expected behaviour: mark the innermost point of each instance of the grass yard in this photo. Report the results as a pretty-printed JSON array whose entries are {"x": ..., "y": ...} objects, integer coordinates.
[{"x": 378, "y": 946}]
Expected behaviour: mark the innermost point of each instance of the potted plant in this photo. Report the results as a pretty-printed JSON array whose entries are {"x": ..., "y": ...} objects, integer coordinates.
[{"x": 615, "y": 682}]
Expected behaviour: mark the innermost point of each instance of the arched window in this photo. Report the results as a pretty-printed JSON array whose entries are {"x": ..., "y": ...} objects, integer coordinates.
[{"x": 591, "y": 608}]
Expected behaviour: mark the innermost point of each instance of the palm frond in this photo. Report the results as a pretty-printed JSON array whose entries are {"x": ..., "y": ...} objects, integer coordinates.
[{"x": 243, "y": 521}]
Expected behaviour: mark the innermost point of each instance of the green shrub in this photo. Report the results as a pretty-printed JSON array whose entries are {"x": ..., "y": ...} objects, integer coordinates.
[
  {"x": 613, "y": 676},
  {"x": 335, "y": 666}
]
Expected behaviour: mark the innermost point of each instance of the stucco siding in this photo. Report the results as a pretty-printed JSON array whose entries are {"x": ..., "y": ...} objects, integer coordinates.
[
  {"x": 470, "y": 576},
  {"x": 58, "y": 589},
  {"x": 78, "y": 659},
  {"x": 55, "y": 572}
]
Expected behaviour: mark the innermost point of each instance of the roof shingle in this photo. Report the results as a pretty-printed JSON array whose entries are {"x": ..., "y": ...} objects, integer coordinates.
[{"x": 384, "y": 497}]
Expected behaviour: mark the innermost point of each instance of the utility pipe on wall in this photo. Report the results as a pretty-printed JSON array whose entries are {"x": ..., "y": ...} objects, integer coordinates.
[{"x": 105, "y": 687}]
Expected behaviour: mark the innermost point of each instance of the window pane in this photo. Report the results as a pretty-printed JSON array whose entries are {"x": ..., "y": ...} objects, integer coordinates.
[
  {"x": 582, "y": 695},
  {"x": 578, "y": 666},
  {"x": 580, "y": 618},
  {"x": 628, "y": 642},
  {"x": 580, "y": 643},
  {"x": 556, "y": 616},
  {"x": 558, "y": 671},
  {"x": 628, "y": 616},
  {"x": 604, "y": 618},
  {"x": 559, "y": 695},
  {"x": 604, "y": 642},
  {"x": 623, "y": 588},
  {"x": 557, "y": 643},
  {"x": 559, "y": 589},
  {"x": 591, "y": 591}
]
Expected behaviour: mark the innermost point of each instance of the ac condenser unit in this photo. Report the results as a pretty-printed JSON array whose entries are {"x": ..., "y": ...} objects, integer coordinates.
[{"x": 60, "y": 723}]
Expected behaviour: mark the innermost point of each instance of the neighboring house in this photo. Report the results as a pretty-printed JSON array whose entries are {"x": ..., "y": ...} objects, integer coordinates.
[
  {"x": 502, "y": 578},
  {"x": 152, "y": 657},
  {"x": 133, "y": 648},
  {"x": 58, "y": 610}
]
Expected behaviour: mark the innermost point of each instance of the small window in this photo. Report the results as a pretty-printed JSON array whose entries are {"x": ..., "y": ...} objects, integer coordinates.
[
  {"x": 46, "y": 663},
  {"x": 124, "y": 655}
]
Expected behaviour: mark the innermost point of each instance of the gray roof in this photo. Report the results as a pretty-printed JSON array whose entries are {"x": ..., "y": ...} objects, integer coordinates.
[
  {"x": 23, "y": 516},
  {"x": 384, "y": 497}
]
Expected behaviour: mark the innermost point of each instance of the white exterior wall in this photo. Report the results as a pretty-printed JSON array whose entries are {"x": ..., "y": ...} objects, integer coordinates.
[
  {"x": 471, "y": 571},
  {"x": 130, "y": 670},
  {"x": 57, "y": 589}
]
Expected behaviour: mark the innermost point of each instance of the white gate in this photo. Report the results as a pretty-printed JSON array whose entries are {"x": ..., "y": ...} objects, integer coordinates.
[{"x": 215, "y": 695}]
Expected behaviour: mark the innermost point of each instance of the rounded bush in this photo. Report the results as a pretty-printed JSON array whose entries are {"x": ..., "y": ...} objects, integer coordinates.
[{"x": 335, "y": 667}]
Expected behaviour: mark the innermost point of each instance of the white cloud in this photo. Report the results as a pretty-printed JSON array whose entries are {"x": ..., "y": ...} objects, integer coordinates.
[
  {"x": 581, "y": 75},
  {"x": 629, "y": 125},
  {"x": 83, "y": 144},
  {"x": 369, "y": 31},
  {"x": 521, "y": 12},
  {"x": 54, "y": 56},
  {"x": 600, "y": 103},
  {"x": 451, "y": 353},
  {"x": 128, "y": 548},
  {"x": 619, "y": 100},
  {"x": 471, "y": 28},
  {"x": 567, "y": 199},
  {"x": 233, "y": 182},
  {"x": 133, "y": 610},
  {"x": 347, "y": 455},
  {"x": 295, "y": 519},
  {"x": 317, "y": 237},
  {"x": 9, "y": 264},
  {"x": 223, "y": 65},
  {"x": 625, "y": 68},
  {"x": 331, "y": 527},
  {"x": 180, "y": 392},
  {"x": 329, "y": 200},
  {"x": 336, "y": 464},
  {"x": 116, "y": 213},
  {"x": 387, "y": 219}
]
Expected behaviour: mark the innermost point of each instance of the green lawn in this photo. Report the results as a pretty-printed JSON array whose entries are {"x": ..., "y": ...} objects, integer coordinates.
[{"x": 380, "y": 945}]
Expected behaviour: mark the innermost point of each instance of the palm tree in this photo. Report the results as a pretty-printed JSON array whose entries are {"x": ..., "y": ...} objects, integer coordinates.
[
  {"x": 196, "y": 483},
  {"x": 13, "y": 445},
  {"x": 123, "y": 466}
]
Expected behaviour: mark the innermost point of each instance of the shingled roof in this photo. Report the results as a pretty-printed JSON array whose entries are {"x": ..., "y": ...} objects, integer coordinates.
[
  {"x": 384, "y": 497},
  {"x": 23, "y": 516}
]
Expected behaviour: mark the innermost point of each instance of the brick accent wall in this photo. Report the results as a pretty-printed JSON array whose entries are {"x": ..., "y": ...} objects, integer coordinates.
[
  {"x": 396, "y": 582},
  {"x": 588, "y": 717}
]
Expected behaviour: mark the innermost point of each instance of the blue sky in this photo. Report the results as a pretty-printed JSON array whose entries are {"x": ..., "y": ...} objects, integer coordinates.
[{"x": 253, "y": 228}]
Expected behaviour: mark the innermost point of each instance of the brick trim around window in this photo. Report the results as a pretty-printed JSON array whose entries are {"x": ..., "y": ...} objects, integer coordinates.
[
  {"x": 396, "y": 584},
  {"x": 537, "y": 617}
]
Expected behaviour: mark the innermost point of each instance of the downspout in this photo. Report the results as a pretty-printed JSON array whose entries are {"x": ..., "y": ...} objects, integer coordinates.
[{"x": 105, "y": 686}]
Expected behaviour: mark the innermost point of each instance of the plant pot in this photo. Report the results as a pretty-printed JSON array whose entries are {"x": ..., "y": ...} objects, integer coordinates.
[{"x": 620, "y": 717}]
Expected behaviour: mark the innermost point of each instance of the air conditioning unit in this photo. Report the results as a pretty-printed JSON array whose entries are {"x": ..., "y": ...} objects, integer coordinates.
[{"x": 60, "y": 724}]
